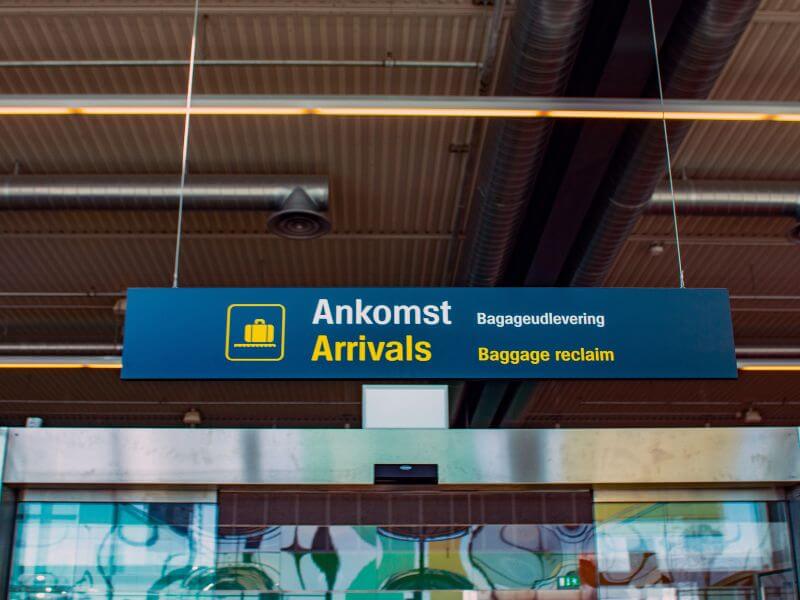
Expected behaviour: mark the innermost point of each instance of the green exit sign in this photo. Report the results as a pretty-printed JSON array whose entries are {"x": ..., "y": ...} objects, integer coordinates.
[{"x": 569, "y": 582}]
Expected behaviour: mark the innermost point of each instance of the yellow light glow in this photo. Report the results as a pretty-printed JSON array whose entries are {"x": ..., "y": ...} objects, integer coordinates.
[
  {"x": 125, "y": 110},
  {"x": 773, "y": 368},
  {"x": 369, "y": 111},
  {"x": 251, "y": 110},
  {"x": 74, "y": 365},
  {"x": 118, "y": 365},
  {"x": 35, "y": 110},
  {"x": 376, "y": 111},
  {"x": 668, "y": 115}
]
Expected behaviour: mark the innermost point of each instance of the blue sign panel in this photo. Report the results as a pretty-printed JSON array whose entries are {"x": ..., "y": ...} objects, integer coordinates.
[{"x": 427, "y": 333}]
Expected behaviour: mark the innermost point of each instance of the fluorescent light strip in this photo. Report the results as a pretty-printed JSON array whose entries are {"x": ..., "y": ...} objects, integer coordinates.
[
  {"x": 48, "y": 362},
  {"x": 773, "y": 365},
  {"x": 393, "y": 112},
  {"x": 75, "y": 365},
  {"x": 60, "y": 362},
  {"x": 399, "y": 106},
  {"x": 771, "y": 368}
]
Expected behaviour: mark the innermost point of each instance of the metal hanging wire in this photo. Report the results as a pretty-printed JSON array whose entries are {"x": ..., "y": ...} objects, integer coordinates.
[
  {"x": 185, "y": 152},
  {"x": 681, "y": 278}
]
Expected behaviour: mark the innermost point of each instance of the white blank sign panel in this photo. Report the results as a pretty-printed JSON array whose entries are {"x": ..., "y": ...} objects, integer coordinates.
[{"x": 405, "y": 407}]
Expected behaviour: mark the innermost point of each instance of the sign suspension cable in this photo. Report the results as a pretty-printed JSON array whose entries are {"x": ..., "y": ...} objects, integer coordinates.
[
  {"x": 185, "y": 151},
  {"x": 681, "y": 278}
]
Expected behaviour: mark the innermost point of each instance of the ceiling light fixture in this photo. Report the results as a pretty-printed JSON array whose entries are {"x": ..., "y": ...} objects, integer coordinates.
[
  {"x": 192, "y": 418},
  {"x": 753, "y": 416},
  {"x": 115, "y": 362},
  {"x": 403, "y": 106},
  {"x": 769, "y": 365},
  {"x": 60, "y": 362}
]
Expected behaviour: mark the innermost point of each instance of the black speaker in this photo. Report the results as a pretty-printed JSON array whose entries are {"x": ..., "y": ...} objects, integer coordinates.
[{"x": 407, "y": 474}]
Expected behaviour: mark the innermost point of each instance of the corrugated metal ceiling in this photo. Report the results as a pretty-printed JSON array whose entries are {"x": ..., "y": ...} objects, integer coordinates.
[
  {"x": 73, "y": 397},
  {"x": 387, "y": 175},
  {"x": 396, "y": 185},
  {"x": 664, "y": 403},
  {"x": 338, "y": 36},
  {"x": 763, "y": 67},
  {"x": 753, "y": 257},
  {"x": 81, "y": 263}
]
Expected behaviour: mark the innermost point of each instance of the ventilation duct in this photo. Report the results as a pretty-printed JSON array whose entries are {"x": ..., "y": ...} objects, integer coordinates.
[
  {"x": 699, "y": 45},
  {"x": 297, "y": 201},
  {"x": 729, "y": 198},
  {"x": 299, "y": 216},
  {"x": 544, "y": 42}
]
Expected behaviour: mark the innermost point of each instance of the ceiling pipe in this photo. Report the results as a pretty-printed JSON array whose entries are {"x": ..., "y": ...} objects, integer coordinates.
[
  {"x": 108, "y": 356},
  {"x": 153, "y": 192},
  {"x": 543, "y": 45},
  {"x": 729, "y": 198},
  {"x": 42, "y": 349},
  {"x": 699, "y": 45},
  {"x": 767, "y": 352},
  {"x": 92, "y": 349},
  {"x": 243, "y": 62},
  {"x": 296, "y": 201},
  {"x": 61, "y": 362}
]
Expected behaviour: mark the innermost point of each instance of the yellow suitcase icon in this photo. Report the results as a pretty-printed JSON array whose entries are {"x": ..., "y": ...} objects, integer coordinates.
[{"x": 259, "y": 332}]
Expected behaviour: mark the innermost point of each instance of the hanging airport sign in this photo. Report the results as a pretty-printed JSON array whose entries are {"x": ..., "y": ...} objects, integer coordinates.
[{"x": 427, "y": 333}]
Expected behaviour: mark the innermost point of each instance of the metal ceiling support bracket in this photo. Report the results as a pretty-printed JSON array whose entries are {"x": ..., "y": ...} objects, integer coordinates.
[{"x": 702, "y": 39}]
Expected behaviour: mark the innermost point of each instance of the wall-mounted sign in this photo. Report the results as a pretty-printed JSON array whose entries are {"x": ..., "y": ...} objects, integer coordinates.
[{"x": 427, "y": 333}]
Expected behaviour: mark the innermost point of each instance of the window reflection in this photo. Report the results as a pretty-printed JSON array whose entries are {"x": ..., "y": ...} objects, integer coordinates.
[
  {"x": 716, "y": 550},
  {"x": 85, "y": 550},
  {"x": 71, "y": 550},
  {"x": 371, "y": 558},
  {"x": 658, "y": 551}
]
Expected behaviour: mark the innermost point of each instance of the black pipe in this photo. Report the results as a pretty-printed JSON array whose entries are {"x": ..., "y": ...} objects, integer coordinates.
[
  {"x": 696, "y": 50},
  {"x": 544, "y": 42}
]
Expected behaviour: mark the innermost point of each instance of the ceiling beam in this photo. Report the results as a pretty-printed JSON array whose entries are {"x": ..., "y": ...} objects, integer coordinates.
[{"x": 323, "y": 8}]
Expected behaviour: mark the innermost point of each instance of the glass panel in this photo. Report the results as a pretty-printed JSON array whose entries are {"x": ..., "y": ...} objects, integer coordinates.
[
  {"x": 383, "y": 559},
  {"x": 708, "y": 550},
  {"x": 81, "y": 550},
  {"x": 114, "y": 551},
  {"x": 722, "y": 550}
]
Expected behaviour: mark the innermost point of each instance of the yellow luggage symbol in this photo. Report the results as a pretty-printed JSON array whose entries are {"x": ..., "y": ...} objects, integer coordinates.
[{"x": 258, "y": 334}]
